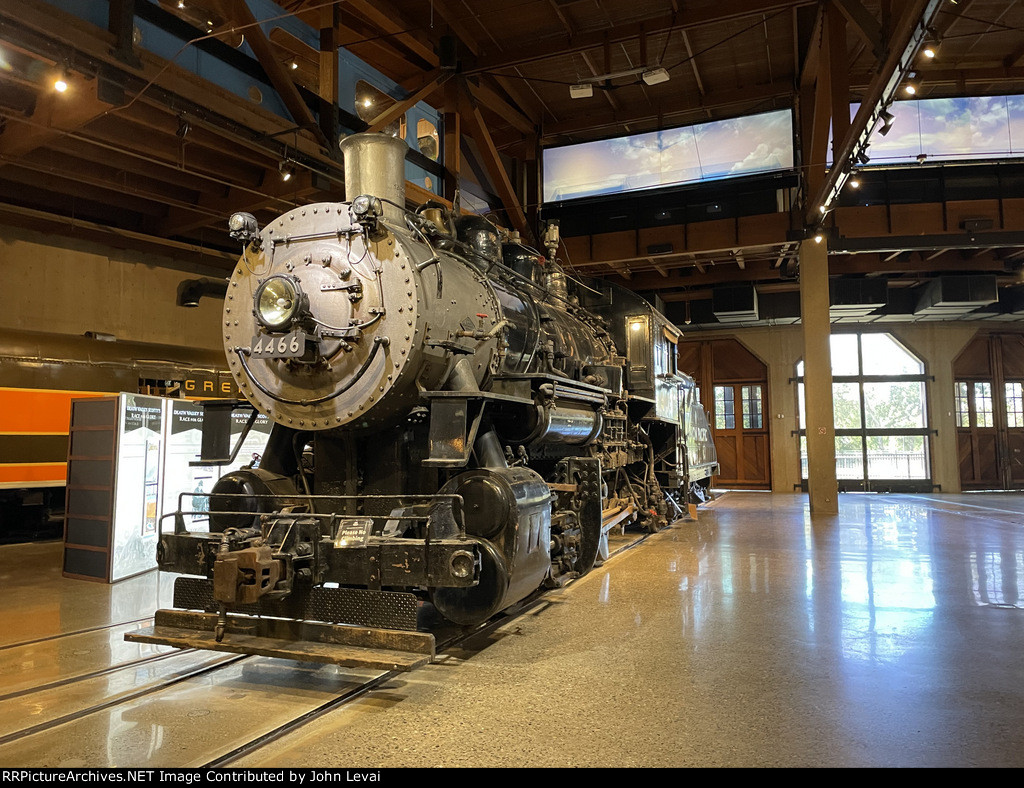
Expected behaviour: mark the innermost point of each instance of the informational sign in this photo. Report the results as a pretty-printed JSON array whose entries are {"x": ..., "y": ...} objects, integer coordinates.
[
  {"x": 192, "y": 483},
  {"x": 183, "y": 443},
  {"x": 158, "y": 439},
  {"x": 137, "y": 484}
]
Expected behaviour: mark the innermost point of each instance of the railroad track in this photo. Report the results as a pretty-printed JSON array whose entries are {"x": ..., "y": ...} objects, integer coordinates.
[
  {"x": 74, "y": 633},
  {"x": 166, "y": 691}
]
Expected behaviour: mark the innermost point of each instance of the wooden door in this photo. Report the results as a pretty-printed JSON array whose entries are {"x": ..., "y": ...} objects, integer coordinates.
[
  {"x": 741, "y": 434},
  {"x": 726, "y": 371},
  {"x": 977, "y": 438},
  {"x": 989, "y": 390}
]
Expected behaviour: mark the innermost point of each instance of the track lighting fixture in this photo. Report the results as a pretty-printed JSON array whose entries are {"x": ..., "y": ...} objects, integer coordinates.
[
  {"x": 887, "y": 120},
  {"x": 286, "y": 170}
]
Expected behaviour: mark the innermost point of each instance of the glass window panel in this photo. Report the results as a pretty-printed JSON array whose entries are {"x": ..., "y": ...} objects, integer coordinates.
[
  {"x": 803, "y": 457},
  {"x": 983, "y": 404},
  {"x": 1015, "y": 404},
  {"x": 751, "y": 396},
  {"x": 894, "y": 405},
  {"x": 844, "y": 354},
  {"x": 846, "y": 405},
  {"x": 849, "y": 457},
  {"x": 897, "y": 457},
  {"x": 963, "y": 410},
  {"x": 371, "y": 102},
  {"x": 426, "y": 138},
  {"x": 883, "y": 355},
  {"x": 725, "y": 416},
  {"x": 800, "y": 405}
]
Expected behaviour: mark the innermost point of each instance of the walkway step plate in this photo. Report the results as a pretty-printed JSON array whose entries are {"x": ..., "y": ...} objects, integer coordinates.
[{"x": 308, "y": 641}]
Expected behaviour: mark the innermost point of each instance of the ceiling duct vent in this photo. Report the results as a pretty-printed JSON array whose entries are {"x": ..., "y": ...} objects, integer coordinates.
[
  {"x": 951, "y": 297},
  {"x": 780, "y": 309},
  {"x": 1010, "y": 306},
  {"x": 900, "y": 305},
  {"x": 734, "y": 304},
  {"x": 852, "y": 299}
]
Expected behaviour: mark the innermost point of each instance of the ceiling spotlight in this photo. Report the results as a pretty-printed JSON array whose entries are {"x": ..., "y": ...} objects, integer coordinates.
[
  {"x": 286, "y": 171},
  {"x": 181, "y": 4},
  {"x": 655, "y": 76},
  {"x": 60, "y": 84},
  {"x": 929, "y": 51},
  {"x": 910, "y": 89},
  {"x": 863, "y": 157},
  {"x": 921, "y": 158},
  {"x": 818, "y": 238},
  {"x": 583, "y": 90},
  {"x": 294, "y": 65},
  {"x": 854, "y": 183},
  {"x": 823, "y": 209}
]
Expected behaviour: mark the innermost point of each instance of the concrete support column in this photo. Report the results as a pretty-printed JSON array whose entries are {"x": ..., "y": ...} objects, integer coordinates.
[{"x": 821, "y": 439}]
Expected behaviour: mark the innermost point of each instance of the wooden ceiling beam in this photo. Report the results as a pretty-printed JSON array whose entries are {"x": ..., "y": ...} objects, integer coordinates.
[
  {"x": 522, "y": 52},
  {"x": 864, "y": 22},
  {"x": 146, "y": 186},
  {"x": 276, "y": 194},
  {"x": 55, "y": 114},
  {"x": 428, "y": 84},
  {"x": 45, "y": 29},
  {"x": 192, "y": 254},
  {"x": 386, "y": 18},
  {"x": 679, "y": 105},
  {"x": 168, "y": 150},
  {"x": 496, "y": 104},
  {"x": 278, "y": 74},
  {"x": 491, "y": 160},
  {"x": 79, "y": 187},
  {"x": 904, "y": 40}
]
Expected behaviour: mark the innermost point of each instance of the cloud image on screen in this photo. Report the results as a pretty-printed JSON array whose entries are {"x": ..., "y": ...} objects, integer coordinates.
[
  {"x": 721, "y": 149},
  {"x": 951, "y": 129}
]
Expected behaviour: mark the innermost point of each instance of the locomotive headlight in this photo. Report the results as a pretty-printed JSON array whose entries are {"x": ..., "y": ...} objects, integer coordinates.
[{"x": 278, "y": 302}]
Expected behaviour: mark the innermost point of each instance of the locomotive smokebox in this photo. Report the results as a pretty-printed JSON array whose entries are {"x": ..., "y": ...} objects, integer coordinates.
[{"x": 375, "y": 164}]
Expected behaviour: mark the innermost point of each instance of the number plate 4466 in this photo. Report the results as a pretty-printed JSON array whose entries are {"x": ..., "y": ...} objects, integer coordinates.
[{"x": 291, "y": 345}]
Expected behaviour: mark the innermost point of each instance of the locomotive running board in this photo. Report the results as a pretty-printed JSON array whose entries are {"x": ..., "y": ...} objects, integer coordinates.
[{"x": 306, "y": 641}]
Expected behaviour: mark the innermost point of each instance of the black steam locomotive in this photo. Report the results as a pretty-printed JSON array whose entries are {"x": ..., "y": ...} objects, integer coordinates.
[{"x": 456, "y": 422}]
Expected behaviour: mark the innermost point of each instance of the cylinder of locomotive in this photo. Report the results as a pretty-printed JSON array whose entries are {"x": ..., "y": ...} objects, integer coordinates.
[{"x": 375, "y": 164}]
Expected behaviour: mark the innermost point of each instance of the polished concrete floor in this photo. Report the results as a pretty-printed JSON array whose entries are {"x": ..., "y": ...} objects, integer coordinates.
[{"x": 890, "y": 635}]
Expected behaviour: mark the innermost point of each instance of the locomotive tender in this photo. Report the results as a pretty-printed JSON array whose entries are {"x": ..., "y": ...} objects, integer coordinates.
[{"x": 455, "y": 421}]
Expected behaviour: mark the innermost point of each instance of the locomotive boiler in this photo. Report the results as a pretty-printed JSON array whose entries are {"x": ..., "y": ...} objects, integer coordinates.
[{"x": 456, "y": 424}]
